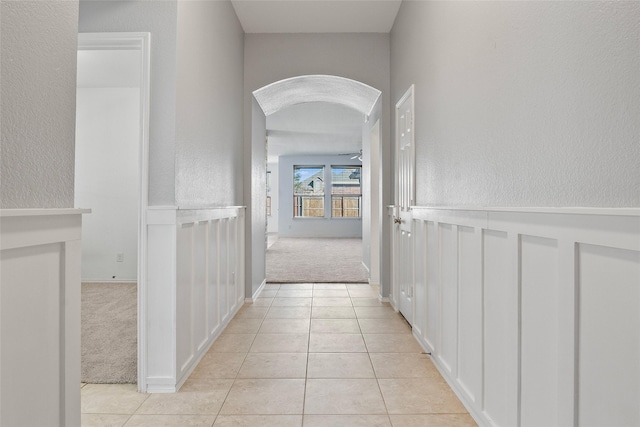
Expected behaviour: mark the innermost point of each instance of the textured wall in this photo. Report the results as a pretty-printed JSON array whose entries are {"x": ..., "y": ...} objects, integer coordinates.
[
  {"x": 522, "y": 103},
  {"x": 209, "y": 146},
  {"x": 160, "y": 19},
  {"x": 38, "y": 56}
]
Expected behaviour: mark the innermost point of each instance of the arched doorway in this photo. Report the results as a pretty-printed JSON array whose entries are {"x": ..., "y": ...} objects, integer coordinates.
[{"x": 306, "y": 89}]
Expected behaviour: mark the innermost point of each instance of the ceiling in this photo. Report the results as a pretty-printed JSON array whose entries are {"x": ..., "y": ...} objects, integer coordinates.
[
  {"x": 316, "y": 16},
  {"x": 315, "y": 128}
]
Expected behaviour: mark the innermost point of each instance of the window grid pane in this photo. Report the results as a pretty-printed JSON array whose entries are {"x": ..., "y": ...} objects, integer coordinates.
[
  {"x": 346, "y": 192},
  {"x": 308, "y": 191}
]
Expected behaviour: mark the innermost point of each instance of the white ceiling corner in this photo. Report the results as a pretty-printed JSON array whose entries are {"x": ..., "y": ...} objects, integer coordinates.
[{"x": 316, "y": 16}]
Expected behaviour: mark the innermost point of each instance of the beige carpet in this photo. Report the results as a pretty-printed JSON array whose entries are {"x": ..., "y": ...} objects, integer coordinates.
[
  {"x": 109, "y": 333},
  {"x": 303, "y": 260}
]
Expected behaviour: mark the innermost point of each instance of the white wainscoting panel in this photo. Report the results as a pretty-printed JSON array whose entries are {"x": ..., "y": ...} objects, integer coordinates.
[
  {"x": 470, "y": 312},
  {"x": 448, "y": 350},
  {"x": 195, "y": 286},
  {"x": 156, "y": 330},
  {"x": 498, "y": 344},
  {"x": 609, "y": 336},
  {"x": 40, "y": 317},
  {"x": 539, "y": 331},
  {"x": 433, "y": 289},
  {"x": 207, "y": 287},
  {"x": 532, "y": 315},
  {"x": 420, "y": 279}
]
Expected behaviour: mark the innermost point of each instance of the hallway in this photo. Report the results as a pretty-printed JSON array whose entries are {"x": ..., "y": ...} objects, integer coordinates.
[{"x": 302, "y": 354}]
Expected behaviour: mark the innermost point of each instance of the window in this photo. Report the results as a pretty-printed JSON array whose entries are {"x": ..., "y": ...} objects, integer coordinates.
[
  {"x": 308, "y": 191},
  {"x": 346, "y": 193}
]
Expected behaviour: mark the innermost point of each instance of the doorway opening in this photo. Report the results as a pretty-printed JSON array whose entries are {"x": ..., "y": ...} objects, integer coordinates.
[
  {"x": 316, "y": 216},
  {"x": 284, "y": 102},
  {"x": 111, "y": 179}
]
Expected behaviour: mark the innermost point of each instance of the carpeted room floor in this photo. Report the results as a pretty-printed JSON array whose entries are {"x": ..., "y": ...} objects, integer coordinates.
[
  {"x": 109, "y": 333},
  {"x": 315, "y": 260}
]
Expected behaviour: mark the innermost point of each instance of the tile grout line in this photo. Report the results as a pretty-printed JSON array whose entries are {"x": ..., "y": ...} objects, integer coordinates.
[
  {"x": 243, "y": 361},
  {"x": 375, "y": 373},
  {"x": 306, "y": 372}
]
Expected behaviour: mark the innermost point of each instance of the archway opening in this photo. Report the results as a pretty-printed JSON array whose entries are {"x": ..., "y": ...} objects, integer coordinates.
[{"x": 319, "y": 93}]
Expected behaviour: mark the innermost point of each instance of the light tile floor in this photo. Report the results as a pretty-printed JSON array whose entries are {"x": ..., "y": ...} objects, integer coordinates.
[{"x": 324, "y": 355}]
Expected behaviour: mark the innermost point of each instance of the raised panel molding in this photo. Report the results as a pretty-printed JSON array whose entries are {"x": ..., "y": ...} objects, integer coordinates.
[
  {"x": 539, "y": 331},
  {"x": 40, "y": 316},
  {"x": 195, "y": 286},
  {"x": 608, "y": 336},
  {"x": 531, "y": 314},
  {"x": 470, "y": 306}
]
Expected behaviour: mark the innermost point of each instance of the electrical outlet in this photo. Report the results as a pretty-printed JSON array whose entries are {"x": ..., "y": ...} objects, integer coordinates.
[{"x": 120, "y": 257}]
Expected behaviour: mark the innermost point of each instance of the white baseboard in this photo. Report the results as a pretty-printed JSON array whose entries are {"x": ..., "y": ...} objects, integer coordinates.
[
  {"x": 256, "y": 295},
  {"x": 161, "y": 385},
  {"x": 366, "y": 267},
  {"x": 203, "y": 351},
  {"x": 212, "y": 338},
  {"x": 479, "y": 418}
]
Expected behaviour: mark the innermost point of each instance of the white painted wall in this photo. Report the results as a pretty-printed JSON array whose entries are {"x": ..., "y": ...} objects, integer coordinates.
[
  {"x": 209, "y": 120},
  {"x": 313, "y": 227},
  {"x": 107, "y": 177},
  {"x": 371, "y": 251},
  {"x": 362, "y": 57},
  {"x": 272, "y": 221},
  {"x": 160, "y": 19},
  {"x": 256, "y": 233},
  {"x": 38, "y": 103},
  {"x": 522, "y": 103}
]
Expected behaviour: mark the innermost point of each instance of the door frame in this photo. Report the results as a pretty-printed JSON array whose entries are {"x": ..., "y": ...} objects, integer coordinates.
[
  {"x": 264, "y": 101},
  {"x": 140, "y": 41}
]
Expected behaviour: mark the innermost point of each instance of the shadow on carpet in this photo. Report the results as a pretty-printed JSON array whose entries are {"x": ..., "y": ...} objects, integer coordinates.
[
  {"x": 109, "y": 333},
  {"x": 306, "y": 260}
]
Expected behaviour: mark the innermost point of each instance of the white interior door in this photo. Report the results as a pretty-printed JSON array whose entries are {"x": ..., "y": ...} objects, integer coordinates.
[{"x": 405, "y": 195}]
